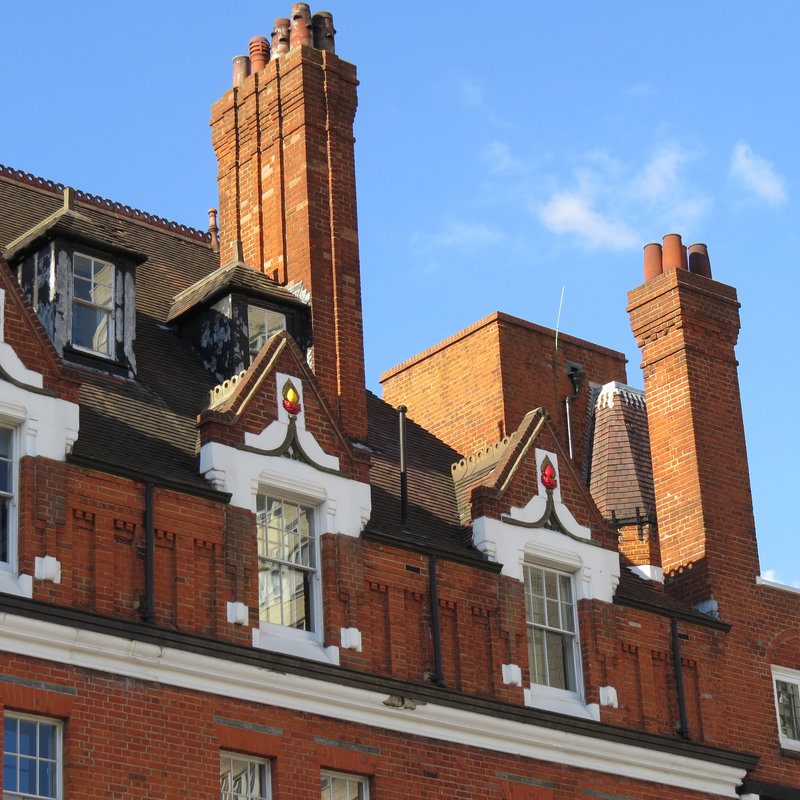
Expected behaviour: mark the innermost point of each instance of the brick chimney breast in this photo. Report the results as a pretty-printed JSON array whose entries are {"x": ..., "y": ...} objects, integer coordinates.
[
  {"x": 284, "y": 143},
  {"x": 687, "y": 325}
]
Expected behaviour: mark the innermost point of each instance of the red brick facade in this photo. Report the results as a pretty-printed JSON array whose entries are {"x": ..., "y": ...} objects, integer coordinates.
[{"x": 132, "y": 615}]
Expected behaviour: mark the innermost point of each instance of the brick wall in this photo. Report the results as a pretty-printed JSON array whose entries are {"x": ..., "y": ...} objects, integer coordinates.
[
  {"x": 476, "y": 386},
  {"x": 284, "y": 143}
]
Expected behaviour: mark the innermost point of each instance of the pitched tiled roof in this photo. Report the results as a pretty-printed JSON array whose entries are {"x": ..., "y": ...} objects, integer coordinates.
[
  {"x": 639, "y": 593},
  {"x": 235, "y": 275},
  {"x": 145, "y": 427},
  {"x": 621, "y": 478},
  {"x": 433, "y": 518}
]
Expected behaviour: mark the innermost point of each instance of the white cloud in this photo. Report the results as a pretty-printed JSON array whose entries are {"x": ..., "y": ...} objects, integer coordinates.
[
  {"x": 457, "y": 235},
  {"x": 756, "y": 175},
  {"x": 499, "y": 158},
  {"x": 571, "y": 212},
  {"x": 659, "y": 177},
  {"x": 471, "y": 94}
]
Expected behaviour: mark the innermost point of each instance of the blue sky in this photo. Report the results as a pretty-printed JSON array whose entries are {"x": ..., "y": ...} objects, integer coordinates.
[{"x": 504, "y": 151}]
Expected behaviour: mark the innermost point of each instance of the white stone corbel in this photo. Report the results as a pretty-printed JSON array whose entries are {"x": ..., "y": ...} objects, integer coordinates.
[
  {"x": 608, "y": 697},
  {"x": 238, "y": 613},
  {"x": 47, "y": 568},
  {"x": 351, "y": 639},
  {"x": 512, "y": 675}
]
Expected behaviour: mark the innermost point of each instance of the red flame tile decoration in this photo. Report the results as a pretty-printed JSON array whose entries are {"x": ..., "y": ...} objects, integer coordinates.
[{"x": 548, "y": 478}]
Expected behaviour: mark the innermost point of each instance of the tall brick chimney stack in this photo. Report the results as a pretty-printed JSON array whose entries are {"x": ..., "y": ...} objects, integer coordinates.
[
  {"x": 687, "y": 325},
  {"x": 283, "y": 136}
]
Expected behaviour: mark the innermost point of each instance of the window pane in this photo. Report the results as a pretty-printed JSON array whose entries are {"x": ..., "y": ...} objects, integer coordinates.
[
  {"x": 90, "y": 328},
  {"x": 10, "y": 735},
  {"x": 82, "y": 267},
  {"x": 46, "y": 741},
  {"x": 241, "y": 778},
  {"x": 10, "y": 773},
  {"x": 26, "y": 775},
  {"x": 342, "y": 788},
  {"x": 47, "y": 779},
  {"x": 27, "y": 737},
  {"x": 789, "y": 709}
]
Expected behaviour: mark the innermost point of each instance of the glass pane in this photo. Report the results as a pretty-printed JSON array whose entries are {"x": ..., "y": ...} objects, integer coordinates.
[
  {"x": 5, "y": 443},
  {"x": 269, "y": 592},
  {"x": 82, "y": 267},
  {"x": 10, "y": 735},
  {"x": 296, "y": 601},
  {"x": 555, "y": 660},
  {"x": 27, "y": 737},
  {"x": 551, "y": 585},
  {"x": 90, "y": 328},
  {"x": 47, "y": 779},
  {"x": 27, "y": 775},
  {"x": 537, "y": 581},
  {"x": 10, "y": 773},
  {"x": 789, "y": 709},
  {"x": 536, "y": 655},
  {"x": 275, "y": 322},
  {"x": 565, "y": 585},
  {"x": 5, "y": 555},
  {"x": 46, "y": 740},
  {"x": 553, "y": 619},
  {"x": 568, "y": 617}
]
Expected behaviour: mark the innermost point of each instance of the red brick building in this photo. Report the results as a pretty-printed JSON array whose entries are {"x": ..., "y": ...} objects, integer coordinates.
[{"x": 228, "y": 570}]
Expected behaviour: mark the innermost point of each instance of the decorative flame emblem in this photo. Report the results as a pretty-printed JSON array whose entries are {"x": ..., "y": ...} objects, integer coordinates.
[
  {"x": 291, "y": 400},
  {"x": 549, "y": 480}
]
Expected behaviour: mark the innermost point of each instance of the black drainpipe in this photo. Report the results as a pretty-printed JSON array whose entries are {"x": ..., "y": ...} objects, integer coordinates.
[
  {"x": 401, "y": 410},
  {"x": 149, "y": 611},
  {"x": 433, "y": 587},
  {"x": 576, "y": 376},
  {"x": 676, "y": 657},
  {"x": 435, "y": 624}
]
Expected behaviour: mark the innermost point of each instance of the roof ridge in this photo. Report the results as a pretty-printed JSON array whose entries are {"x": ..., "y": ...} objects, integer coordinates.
[
  {"x": 487, "y": 456},
  {"x": 105, "y": 204},
  {"x": 630, "y": 395}
]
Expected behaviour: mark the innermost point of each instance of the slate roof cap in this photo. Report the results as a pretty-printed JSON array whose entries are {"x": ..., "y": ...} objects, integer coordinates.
[
  {"x": 68, "y": 221},
  {"x": 235, "y": 275}
]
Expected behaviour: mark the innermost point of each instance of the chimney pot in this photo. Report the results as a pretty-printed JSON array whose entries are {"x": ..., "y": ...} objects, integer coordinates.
[
  {"x": 653, "y": 264},
  {"x": 280, "y": 37},
  {"x": 259, "y": 53},
  {"x": 322, "y": 25},
  {"x": 301, "y": 26},
  {"x": 698, "y": 260},
  {"x": 241, "y": 69},
  {"x": 213, "y": 228},
  {"x": 674, "y": 253}
]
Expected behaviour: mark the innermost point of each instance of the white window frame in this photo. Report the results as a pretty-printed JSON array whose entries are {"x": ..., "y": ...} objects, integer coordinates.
[
  {"x": 359, "y": 780},
  {"x": 261, "y": 764},
  {"x": 11, "y": 563},
  {"x": 790, "y": 676},
  {"x": 109, "y": 310},
  {"x": 572, "y": 638},
  {"x": 58, "y": 760},
  {"x": 312, "y": 571}
]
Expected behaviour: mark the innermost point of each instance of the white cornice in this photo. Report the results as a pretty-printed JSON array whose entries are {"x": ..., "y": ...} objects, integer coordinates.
[{"x": 88, "y": 649}]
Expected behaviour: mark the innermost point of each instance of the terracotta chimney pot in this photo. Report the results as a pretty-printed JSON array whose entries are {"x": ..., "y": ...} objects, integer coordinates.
[
  {"x": 698, "y": 260},
  {"x": 259, "y": 53},
  {"x": 674, "y": 253},
  {"x": 322, "y": 26},
  {"x": 280, "y": 37},
  {"x": 301, "y": 26},
  {"x": 241, "y": 69},
  {"x": 652, "y": 260}
]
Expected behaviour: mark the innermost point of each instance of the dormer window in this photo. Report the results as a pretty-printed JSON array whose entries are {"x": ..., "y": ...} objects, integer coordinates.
[
  {"x": 79, "y": 275},
  {"x": 261, "y": 324},
  {"x": 92, "y": 304}
]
